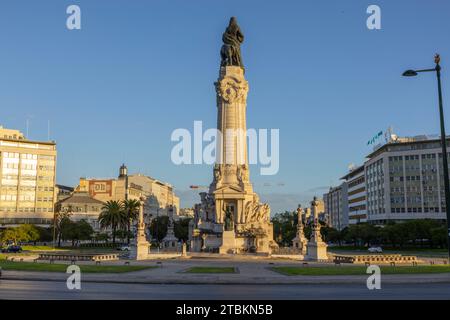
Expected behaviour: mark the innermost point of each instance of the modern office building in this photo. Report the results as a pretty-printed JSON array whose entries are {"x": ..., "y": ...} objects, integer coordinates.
[
  {"x": 336, "y": 206},
  {"x": 27, "y": 179},
  {"x": 404, "y": 180},
  {"x": 356, "y": 194}
]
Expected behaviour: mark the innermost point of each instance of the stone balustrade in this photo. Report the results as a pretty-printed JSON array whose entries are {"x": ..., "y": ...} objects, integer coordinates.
[
  {"x": 374, "y": 259},
  {"x": 78, "y": 257}
]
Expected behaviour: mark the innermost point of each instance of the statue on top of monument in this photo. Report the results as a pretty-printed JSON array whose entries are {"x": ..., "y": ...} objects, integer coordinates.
[{"x": 231, "y": 49}]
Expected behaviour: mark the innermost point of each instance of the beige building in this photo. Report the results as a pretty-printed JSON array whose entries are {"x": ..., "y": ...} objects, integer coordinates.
[
  {"x": 160, "y": 196},
  {"x": 82, "y": 206},
  {"x": 27, "y": 179}
]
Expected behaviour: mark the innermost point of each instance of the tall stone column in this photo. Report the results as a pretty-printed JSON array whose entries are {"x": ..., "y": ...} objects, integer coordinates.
[
  {"x": 300, "y": 240},
  {"x": 248, "y": 227},
  {"x": 316, "y": 248},
  {"x": 142, "y": 245}
]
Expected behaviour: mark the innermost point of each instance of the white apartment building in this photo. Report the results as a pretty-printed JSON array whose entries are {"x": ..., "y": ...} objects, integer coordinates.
[
  {"x": 404, "y": 180},
  {"x": 336, "y": 206},
  {"x": 356, "y": 193}
]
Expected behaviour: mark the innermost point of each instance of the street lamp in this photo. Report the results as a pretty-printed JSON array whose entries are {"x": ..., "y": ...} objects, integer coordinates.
[{"x": 437, "y": 69}]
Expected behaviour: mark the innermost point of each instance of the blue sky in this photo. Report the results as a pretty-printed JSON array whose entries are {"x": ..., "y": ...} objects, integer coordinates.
[{"x": 115, "y": 90}]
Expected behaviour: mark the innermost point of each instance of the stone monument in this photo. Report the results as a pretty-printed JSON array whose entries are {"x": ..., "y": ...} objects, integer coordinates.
[
  {"x": 316, "y": 248},
  {"x": 230, "y": 217},
  {"x": 170, "y": 242},
  {"x": 141, "y": 251},
  {"x": 300, "y": 242}
]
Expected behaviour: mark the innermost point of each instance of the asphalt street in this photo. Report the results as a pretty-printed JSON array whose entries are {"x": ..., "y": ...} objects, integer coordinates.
[{"x": 37, "y": 290}]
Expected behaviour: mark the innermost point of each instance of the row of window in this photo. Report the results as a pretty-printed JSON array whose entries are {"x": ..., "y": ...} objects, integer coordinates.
[{"x": 416, "y": 210}]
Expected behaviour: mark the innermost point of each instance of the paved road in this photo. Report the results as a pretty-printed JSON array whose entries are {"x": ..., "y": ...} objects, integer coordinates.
[{"x": 20, "y": 289}]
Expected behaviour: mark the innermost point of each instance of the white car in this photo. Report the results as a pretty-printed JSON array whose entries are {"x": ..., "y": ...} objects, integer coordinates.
[{"x": 375, "y": 250}]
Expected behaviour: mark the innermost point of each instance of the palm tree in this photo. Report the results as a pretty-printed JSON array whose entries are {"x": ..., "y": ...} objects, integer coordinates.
[
  {"x": 131, "y": 208},
  {"x": 61, "y": 216},
  {"x": 113, "y": 216}
]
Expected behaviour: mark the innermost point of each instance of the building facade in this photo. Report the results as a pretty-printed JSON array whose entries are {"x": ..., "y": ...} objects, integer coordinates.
[
  {"x": 82, "y": 206},
  {"x": 356, "y": 194},
  {"x": 336, "y": 206},
  {"x": 27, "y": 180},
  {"x": 160, "y": 196},
  {"x": 404, "y": 180}
]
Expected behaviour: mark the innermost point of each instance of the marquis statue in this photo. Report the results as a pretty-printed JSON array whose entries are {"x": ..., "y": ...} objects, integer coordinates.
[{"x": 231, "y": 49}]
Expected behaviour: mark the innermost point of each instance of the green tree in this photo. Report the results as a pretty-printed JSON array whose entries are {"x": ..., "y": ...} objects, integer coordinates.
[
  {"x": 333, "y": 235},
  {"x": 438, "y": 236},
  {"x": 60, "y": 217},
  {"x": 76, "y": 231},
  {"x": 158, "y": 227},
  {"x": 131, "y": 208},
  {"x": 45, "y": 234},
  {"x": 10, "y": 235},
  {"x": 101, "y": 237},
  {"x": 285, "y": 227},
  {"x": 181, "y": 229},
  {"x": 22, "y": 233},
  {"x": 113, "y": 216},
  {"x": 29, "y": 232}
]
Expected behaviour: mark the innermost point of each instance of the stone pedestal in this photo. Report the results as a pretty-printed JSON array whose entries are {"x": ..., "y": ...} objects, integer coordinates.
[
  {"x": 170, "y": 242},
  {"x": 141, "y": 251},
  {"x": 184, "y": 250},
  {"x": 228, "y": 242},
  {"x": 316, "y": 251},
  {"x": 300, "y": 244}
]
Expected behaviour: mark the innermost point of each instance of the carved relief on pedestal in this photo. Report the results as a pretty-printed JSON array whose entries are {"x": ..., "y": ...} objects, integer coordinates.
[
  {"x": 217, "y": 174},
  {"x": 243, "y": 174},
  {"x": 256, "y": 212},
  {"x": 230, "y": 170},
  {"x": 231, "y": 89}
]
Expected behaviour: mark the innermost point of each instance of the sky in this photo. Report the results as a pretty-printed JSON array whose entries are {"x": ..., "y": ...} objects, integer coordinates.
[{"x": 114, "y": 91}]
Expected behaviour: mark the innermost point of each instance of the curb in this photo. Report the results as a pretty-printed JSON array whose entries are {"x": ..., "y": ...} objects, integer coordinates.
[{"x": 290, "y": 281}]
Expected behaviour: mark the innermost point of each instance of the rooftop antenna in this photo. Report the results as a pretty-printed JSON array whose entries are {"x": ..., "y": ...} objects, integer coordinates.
[
  {"x": 48, "y": 130},
  {"x": 27, "y": 126},
  {"x": 389, "y": 133},
  {"x": 351, "y": 167}
]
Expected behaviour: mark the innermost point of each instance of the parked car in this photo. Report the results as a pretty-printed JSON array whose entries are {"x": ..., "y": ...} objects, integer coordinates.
[
  {"x": 375, "y": 250},
  {"x": 12, "y": 249}
]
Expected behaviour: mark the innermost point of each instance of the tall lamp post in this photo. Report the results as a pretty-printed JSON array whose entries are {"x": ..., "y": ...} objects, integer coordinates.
[{"x": 437, "y": 69}]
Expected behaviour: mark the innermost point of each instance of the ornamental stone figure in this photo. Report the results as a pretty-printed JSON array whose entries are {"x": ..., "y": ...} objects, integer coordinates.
[
  {"x": 228, "y": 221},
  {"x": 231, "y": 49}
]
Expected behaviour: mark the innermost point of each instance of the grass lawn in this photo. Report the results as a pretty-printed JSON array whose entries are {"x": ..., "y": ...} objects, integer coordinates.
[
  {"x": 41, "y": 248},
  {"x": 30, "y": 266},
  {"x": 358, "y": 270},
  {"x": 211, "y": 270},
  {"x": 419, "y": 252}
]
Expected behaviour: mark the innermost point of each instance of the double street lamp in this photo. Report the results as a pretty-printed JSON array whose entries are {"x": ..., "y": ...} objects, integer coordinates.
[{"x": 437, "y": 69}]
